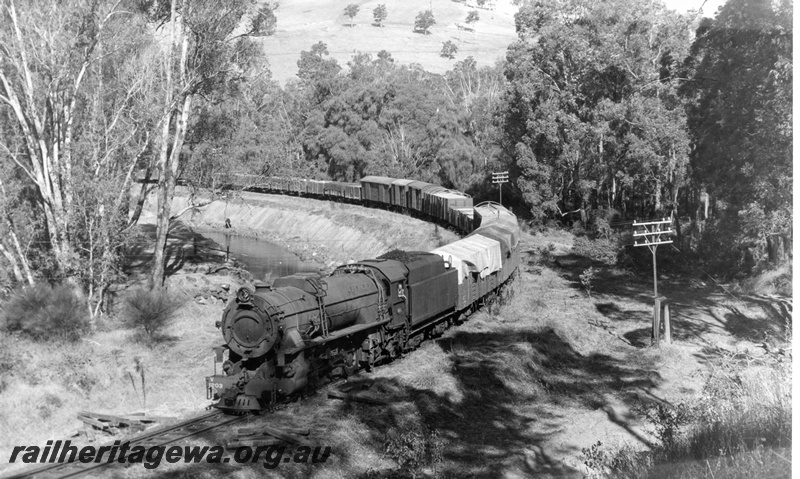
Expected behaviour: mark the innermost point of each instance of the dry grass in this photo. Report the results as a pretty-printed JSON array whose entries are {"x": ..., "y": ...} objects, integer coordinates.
[
  {"x": 739, "y": 428},
  {"x": 45, "y": 385}
]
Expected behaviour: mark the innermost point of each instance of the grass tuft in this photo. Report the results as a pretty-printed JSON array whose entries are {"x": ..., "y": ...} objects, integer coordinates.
[{"x": 44, "y": 312}]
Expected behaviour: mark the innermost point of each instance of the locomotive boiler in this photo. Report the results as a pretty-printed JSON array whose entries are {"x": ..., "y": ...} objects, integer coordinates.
[{"x": 306, "y": 329}]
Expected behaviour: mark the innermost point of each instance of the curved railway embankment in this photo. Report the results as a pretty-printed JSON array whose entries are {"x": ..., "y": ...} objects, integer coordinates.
[{"x": 327, "y": 232}]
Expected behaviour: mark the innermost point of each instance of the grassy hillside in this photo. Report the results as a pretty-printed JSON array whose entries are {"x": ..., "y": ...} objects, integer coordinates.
[{"x": 302, "y": 23}]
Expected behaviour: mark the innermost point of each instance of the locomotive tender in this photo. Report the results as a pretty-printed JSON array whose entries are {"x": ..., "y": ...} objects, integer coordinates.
[{"x": 307, "y": 329}]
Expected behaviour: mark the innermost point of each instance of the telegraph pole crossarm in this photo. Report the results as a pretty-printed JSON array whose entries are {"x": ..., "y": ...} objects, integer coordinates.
[
  {"x": 652, "y": 234},
  {"x": 499, "y": 178}
]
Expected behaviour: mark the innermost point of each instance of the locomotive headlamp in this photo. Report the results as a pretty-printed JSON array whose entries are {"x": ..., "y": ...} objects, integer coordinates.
[{"x": 244, "y": 295}]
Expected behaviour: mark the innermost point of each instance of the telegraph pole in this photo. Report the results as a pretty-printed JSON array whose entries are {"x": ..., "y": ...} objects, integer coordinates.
[
  {"x": 500, "y": 178},
  {"x": 649, "y": 234}
]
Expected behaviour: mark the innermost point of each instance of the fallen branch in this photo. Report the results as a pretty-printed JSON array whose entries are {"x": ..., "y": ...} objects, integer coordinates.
[
  {"x": 187, "y": 208},
  {"x": 621, "y": 338}
]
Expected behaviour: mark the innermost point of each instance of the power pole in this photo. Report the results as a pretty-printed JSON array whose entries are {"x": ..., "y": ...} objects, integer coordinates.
[
  {"x": 500, "y": 178},
  {"x": 649, "y": 234}
]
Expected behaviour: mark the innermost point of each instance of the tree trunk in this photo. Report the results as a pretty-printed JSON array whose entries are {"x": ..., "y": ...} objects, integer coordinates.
[
  {"x": 775, "y": 248},
  {"x": 657, "y": 198},
  {"x": 140, "y": 199},
  {"x": 704, "y": 200},
  {"x": 14, "y": 264},
  {"x": 164, "y": 199},
  {"x": 22, "y": 258}
]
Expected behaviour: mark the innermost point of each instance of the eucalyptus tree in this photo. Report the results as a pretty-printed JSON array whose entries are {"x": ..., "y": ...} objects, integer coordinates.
[
  {"x": 206, "y": 46},
  {"x": 380, "y": 13},
  {"x": 424, "y": 21},
  {"x": 351, "y": 11},
  {"x": 741, "y": 122}
]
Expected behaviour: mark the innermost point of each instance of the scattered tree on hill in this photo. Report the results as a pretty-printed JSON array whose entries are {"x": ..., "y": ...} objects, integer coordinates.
[
  {"x": 473, "y": 16},
  {"x": 380, "y": 14},
  {"x": 449, "y": 50},
  {"x": 481, "y": 3},
  {"x": 351, "y": 11},
  {"x": 424, "y": 21}
]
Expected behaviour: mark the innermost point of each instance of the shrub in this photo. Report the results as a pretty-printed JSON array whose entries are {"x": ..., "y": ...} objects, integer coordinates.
[
  {"x": 151, "y": 310},
  {"x": 600, "y": 250},
  {"x": 586, "y": 279},
  {"x": 414, "y": 448},
  {"x": 43, "y": 312}
]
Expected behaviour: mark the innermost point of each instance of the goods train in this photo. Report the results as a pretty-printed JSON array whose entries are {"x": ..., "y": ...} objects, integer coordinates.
[{"x": 307, "y": 329}]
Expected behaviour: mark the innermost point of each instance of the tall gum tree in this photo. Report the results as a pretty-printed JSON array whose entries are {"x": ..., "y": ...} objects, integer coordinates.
[
  {"x": 206, "y": 45},
  {"x": 740, "y": 110}
]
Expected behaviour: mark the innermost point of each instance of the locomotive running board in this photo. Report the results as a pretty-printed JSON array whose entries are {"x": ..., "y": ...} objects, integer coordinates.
[{"x": 337, "y": 335}]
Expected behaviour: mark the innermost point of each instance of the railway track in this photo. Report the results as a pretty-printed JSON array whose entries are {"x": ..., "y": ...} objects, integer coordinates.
[{"x": 161, "y": 436}]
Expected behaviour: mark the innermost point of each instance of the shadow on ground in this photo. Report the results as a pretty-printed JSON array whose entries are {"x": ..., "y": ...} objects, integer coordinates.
[
  {"x": 511, "y": 386},
  {"x": 184, "y": 246},
  {"x": 696, "y": 312},
  {"x": 510, "y": 383}
]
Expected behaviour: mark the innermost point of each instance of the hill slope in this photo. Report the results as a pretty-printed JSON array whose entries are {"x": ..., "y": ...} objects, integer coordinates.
[{"x": 301, "y": 23}]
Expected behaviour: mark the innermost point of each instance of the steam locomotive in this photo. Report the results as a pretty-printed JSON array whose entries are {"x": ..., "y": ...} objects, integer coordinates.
[{"x": 305, "y": 329}]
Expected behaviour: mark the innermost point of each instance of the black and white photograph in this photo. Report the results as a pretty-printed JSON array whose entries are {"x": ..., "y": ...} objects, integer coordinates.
[{"x": 425, "y": 239}]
